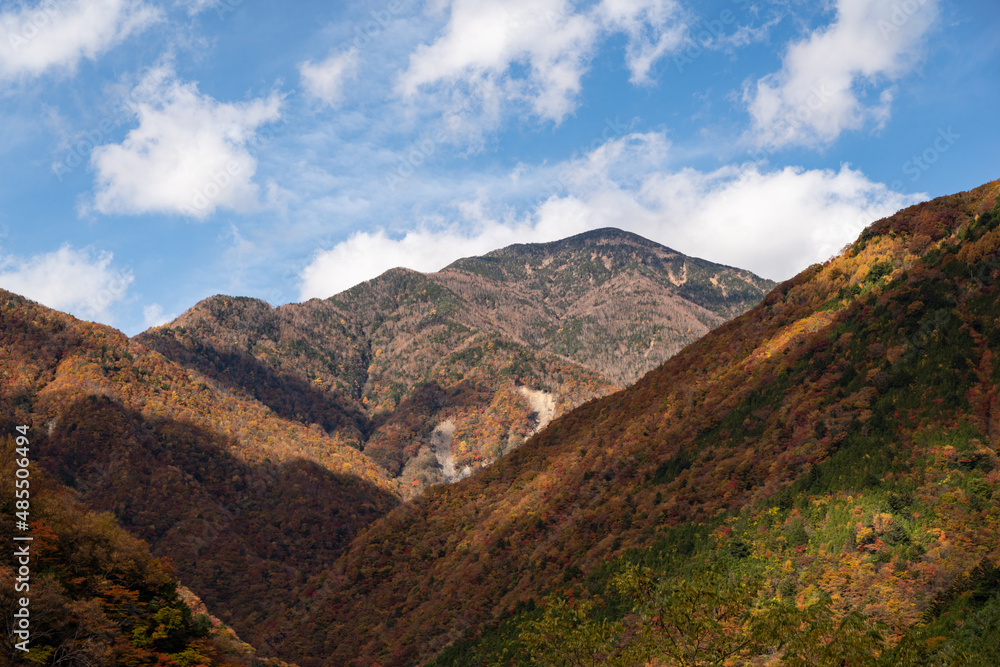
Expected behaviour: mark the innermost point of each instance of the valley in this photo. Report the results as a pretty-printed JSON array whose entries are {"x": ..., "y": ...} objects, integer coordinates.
[
  {"x": 250, "y": 445},
  {"x": 812, "y": 481}
]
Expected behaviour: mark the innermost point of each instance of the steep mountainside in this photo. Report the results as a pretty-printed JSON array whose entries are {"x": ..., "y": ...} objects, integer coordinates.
[
  {"x": 830, "y": 457},
  {"x": 434, "y": 375},
  {"x": 97, "y": 596},
  {"x": 247, "y": 505}
]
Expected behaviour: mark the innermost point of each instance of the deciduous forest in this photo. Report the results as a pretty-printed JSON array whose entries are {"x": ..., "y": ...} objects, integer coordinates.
[{"x": 813, "y": 482}]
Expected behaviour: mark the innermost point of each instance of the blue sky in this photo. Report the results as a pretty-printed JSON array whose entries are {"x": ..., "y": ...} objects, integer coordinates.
[{"x": 157, "y": 153}]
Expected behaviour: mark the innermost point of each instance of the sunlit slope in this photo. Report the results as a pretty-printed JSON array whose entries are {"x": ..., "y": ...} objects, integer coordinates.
[{"x": 857, "y": 398}]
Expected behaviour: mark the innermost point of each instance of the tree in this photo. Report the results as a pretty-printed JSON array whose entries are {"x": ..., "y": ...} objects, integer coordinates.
[
  {"x": 709, "y": 617},
  {"x": 567, "y": 636},
  {"x": 699, "y": 619}
]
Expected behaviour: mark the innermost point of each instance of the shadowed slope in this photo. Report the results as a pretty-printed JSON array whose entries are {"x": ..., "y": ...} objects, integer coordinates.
[{"x": 246, "y": 504}]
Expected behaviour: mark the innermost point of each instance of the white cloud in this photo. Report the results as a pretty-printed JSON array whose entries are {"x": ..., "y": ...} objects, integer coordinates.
[
  {"x": 366, "y": 255},
  {"x": 152, "y": 316},
  {"x": 81, "y": 282},
  {"x": 826, "y": 79},
  {"x": 190, "y": 154},
  {"x": 654, "y": 28},
  {"x": 774, "y": 223},
  {"x": 325, "y": 80},
  {"x": 487, "y": 43},
  {"x": 56, "y": 34}
]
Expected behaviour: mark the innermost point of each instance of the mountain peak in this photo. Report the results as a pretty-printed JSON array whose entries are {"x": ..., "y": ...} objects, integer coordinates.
[
  {"x": 238, "y": 311},
  {"x": 595, "y": 237},
  {"x": 607, "y": 238},
  {"x": 839, "y": 439}
]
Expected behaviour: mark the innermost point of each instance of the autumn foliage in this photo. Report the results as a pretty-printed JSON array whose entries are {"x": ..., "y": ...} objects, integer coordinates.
[
  {"x": 841, "y": 438},
  {"x": 383, "y": 364}
]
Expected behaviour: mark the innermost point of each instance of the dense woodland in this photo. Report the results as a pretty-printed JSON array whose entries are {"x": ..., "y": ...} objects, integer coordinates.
[
  {"x": 97, "y": 595},
  {"x": 812, "y": 483},
  {"x": 246, "y": 505},
  {"x": 830, "y": 456}
]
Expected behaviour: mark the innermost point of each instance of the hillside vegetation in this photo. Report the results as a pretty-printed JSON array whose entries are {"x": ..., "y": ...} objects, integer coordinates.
[
  {"x": 97, "y": 596},
  {"x": 814, "y": 483},
  {"x": 245, "y": 504},
  {"x": 237, "y": 458},
  {"x": 433, "y": 376}
]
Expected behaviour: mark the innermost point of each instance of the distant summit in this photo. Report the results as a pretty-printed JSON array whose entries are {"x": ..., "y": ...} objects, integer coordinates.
[
  {"x": 591, "y": 259},
  {"x": 435, "y": 375}
]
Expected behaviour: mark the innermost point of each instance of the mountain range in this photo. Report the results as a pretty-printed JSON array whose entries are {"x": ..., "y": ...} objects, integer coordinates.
[
  {"x": 812, "y": 482},
  {"x": 829, "y": 459},
  {"x": 433, "y": 376},
  {"x": 250, "y": 444}
]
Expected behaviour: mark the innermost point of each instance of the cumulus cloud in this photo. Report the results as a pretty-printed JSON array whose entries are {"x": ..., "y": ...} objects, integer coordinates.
[
  {"x": 536, "y": 51},
  {"x": 774, "y": 223},
  {"x": 840, "y": 77},
  {"x": 325, "y": 81},
  {"x": 189, "y": 155},
  {"x": 81, "y": 282},
  {"x": 366, "y": 255},
  {"x": 55, "y": 34}
]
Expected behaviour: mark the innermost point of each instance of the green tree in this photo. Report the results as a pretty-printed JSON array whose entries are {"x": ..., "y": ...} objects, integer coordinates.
[
  {"x": 567, "y": 636},
  {"x": 708, "y": 617},
  {"x": 699, "y": 619}
]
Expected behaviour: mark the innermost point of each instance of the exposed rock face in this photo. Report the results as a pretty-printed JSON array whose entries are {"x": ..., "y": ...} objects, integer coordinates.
[
  {"x": 543, "y": 406},
  {"x": 441, "y": 444}
]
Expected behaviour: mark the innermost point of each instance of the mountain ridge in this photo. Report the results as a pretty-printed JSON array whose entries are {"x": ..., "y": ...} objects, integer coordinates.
[
  {"x": 209, "y": 479},
  {"x": 827, "y": 463},
  {"x": 389, "y": 360},
  {"x": 252, "y": 498}
]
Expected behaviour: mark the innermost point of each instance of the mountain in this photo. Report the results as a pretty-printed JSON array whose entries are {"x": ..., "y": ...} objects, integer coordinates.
[
  {"x": 96, "y": 595},
  {"x": 816, "y": 479},
  {"x": 237, "y": 460},
  {"x": 813, "y": 482},
  {"x": 246, "y": 505},
  {"x": 433, "y": 376}
]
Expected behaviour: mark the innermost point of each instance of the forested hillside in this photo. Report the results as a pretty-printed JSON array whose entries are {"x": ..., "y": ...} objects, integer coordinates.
[
  {"x": 239, "y": 459},
  {"x": 813, "y": 482},
  {"x": 97, "y": 596},
  {"x": 434, "y": 376},
  {"x": 246, "y": 505}
]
